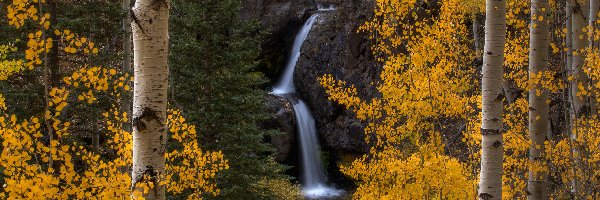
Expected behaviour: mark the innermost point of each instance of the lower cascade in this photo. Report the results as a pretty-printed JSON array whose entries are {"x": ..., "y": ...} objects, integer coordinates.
[
  {"x": 314, "y": 177},
  {"x": 314, "y": 174}
]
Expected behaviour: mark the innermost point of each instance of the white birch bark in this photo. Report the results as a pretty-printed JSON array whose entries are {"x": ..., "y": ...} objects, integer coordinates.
[
  {"x": 476, "y": 25},
  {"x": 538, "y": 96},
  {"x": 490, "y": 183},
  {"x": 594, "y": 7},
  {"x": 572, "y": 131},
  {"x": 579, "y": 42},
  {"x": 579, "y": 13},
  {"x": 150, "y": 41}
]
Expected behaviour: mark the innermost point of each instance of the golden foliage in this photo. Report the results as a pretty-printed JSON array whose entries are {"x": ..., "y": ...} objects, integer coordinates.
[
  {"x": 189, "y": 168},
  {"x": 427, "y": 78},
  {"x": 9, "y": 66},
  {"x": 431, "y": 81}
]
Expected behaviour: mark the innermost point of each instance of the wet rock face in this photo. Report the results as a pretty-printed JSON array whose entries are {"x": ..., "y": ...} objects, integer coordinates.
[
  {"x": 284, "y": 121},
  {"x": 280, "y": 19},
  {"x": 334, "y": 47}
]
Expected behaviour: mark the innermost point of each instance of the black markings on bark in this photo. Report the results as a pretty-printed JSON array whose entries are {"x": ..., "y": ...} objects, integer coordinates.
[
  {"x": 156, "y": 4},
  {"x": 150, "y": 171},
  {"x": 499, "y": 98},
  {"x": 137, "y": 22},
  {"x": 532, "y": 109},
  {"x": 149, "y": 175},
  {"x": 140, "y": 123},
  {"x": 490, "y": 132},
  {"x": 497, "y": 144},
  {"x": 537, "y": 158},
  {"x": 583, "y": 111},
  {"x": 576, "y": 7},
  {"x": 485, "y": 196}
]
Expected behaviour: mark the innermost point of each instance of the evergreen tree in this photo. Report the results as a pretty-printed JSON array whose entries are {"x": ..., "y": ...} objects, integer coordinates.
[{"x": 214, "y": 80}]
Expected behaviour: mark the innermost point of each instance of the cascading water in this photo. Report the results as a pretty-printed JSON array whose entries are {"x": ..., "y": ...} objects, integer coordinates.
[
  {"x": 313, "y": 167},
  {"x": 313, "y": 173},
  {"x": 286, "y": 84}
]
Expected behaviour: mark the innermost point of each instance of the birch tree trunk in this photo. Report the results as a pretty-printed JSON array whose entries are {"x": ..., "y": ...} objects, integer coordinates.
[
  {"x": 150, "y": 41},
  {"x": 579, "y": 80},
  {"x": 490, "y": 183},
  {"x": 593, "y": 16},
  {"x": 578, "y": 45},
  {"x": 569, "y": 36},
  {"x": 571, "y": 107},
  {"x": 538, "y": 97},
  {"x": 476, "y": 38},
  {"x": 592, "y": 44}
]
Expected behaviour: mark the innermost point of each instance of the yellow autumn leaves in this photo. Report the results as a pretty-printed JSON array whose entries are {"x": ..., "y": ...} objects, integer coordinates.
[
  {"x": 38, "y": 43},
  {"x": 427, "y": 83},
  {"x": 9, "y": 66},
  {"x": 98, "y": 79},
  {"x": 428, "y": 78},
  {"x": 191, "y": 168},
  {"x": 74, "y": 43},
  {"x": 21, "y": 10}
]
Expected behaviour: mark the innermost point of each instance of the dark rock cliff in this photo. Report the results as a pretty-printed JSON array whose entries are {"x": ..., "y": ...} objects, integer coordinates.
[
  {"x": 334, "y": 47},
  {"x": 284, "y": 121}
]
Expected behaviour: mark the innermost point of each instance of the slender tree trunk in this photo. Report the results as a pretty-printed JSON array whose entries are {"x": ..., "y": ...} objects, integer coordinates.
[
  {"x": 570, "y": 95},
  {"x": 579, "y": 79},
  {"x": 593, "y": 16},
  {"x": 578, "y": 37},
  {"x": 592, "y": 45},
  {"x": 538, "y": 107},
  {"x": 51, "y": 79},
  {"x": 47, "y": 107},
  {"x": 55, "y": 77},
  {"x": 490, "y": 183},
  {"x": 476, "y": 38},
  {"x": 569, "y": 35},
  {"x": 150, "y": 41},
  {"x": 126, "y": 102}
]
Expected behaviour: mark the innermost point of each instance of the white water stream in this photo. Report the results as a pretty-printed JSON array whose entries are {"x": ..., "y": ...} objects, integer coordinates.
[{"x": 314, "y": 177}]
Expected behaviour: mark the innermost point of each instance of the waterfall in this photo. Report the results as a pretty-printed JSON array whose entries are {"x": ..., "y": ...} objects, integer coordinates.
[
  {"x": 286, "y": 84},
  {"x": 313, "y": 172},
  {"x": 314, "y": 175}
]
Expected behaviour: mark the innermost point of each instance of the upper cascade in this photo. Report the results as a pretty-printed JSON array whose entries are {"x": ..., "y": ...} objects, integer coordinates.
[{"x": 286, "y": 84}]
